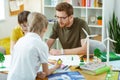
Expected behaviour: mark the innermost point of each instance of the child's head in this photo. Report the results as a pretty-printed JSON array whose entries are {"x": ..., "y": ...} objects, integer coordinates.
[
  {"x": 22, "y": 20},
  {"x": 37, "y": 23}
]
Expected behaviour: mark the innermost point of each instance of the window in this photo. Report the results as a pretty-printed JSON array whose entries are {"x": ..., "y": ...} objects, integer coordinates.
[{"x": 2, "y": 10}]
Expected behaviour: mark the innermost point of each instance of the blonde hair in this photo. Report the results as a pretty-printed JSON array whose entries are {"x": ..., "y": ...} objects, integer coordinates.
[{"x": 37, "y": 22}]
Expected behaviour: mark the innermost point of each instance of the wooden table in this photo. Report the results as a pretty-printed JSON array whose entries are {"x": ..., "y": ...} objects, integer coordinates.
[
  {"x": 87, "y": 76},
  {"x": 73, "y": 68}
]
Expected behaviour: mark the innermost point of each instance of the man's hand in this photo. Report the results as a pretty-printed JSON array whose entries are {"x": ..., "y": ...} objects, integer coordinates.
[{"x": 55, "y": 52}]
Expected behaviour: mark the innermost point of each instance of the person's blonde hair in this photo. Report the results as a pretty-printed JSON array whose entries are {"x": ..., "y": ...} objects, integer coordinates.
[{"x": 37, "y": 22}]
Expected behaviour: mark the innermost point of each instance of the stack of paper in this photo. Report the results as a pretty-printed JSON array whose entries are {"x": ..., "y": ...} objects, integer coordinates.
[{"x": 95, "y": 68}]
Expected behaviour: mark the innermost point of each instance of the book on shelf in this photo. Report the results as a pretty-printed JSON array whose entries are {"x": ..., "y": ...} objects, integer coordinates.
[
  {"x": 66, "y": 76},
  {"x": 88, "y": 3},
  {"x": 83, "y": 3},
  {"x": 94, "y": 3},
  {"x": 95, "y": 68}
]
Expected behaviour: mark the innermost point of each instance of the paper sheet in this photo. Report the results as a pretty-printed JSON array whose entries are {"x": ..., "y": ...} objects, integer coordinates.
[
  {"x": 67, "y": 60},
  {"x": 70, "y": 60},
  {"x": 115, "y": 65}
]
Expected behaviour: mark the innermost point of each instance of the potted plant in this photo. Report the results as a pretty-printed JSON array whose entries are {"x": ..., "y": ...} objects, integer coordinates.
[
  {"x": 2, "y": 59},
  {"x": 99, "y": 20},
  {"x": 97, "y": 55},
  {"x": 114, "y": 33}
]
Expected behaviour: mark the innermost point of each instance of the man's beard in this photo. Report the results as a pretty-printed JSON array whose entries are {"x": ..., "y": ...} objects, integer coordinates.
[{"x": 64, "y": 24}]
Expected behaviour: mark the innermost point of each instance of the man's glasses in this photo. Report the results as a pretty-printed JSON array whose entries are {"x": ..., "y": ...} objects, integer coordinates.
[{"x": 62, "y": 18}]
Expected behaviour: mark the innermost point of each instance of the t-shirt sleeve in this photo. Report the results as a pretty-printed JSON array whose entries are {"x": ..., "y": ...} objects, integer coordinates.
[
  {"x": 85, "y": 26},
  {"x": 44, "y": 54},
  {"x": 54, "y": 34},
  {"x": 13, "y": 35}
]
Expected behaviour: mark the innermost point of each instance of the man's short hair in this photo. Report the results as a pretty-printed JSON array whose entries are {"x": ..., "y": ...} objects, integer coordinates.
[{"x": 64, "y": 6}]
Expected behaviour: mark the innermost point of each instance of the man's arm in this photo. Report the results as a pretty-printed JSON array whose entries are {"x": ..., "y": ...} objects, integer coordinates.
[
  {"x": 74, "y": 51},
  {"x": 79, "y": 50},
  {"x": 50, "y": 42}
]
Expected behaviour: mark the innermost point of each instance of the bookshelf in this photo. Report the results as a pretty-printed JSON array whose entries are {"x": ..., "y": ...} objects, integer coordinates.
[{"x": 88, "y": 10}]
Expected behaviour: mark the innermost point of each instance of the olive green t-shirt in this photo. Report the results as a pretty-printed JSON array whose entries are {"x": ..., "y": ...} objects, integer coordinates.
[{"x": 70, "y": 37}]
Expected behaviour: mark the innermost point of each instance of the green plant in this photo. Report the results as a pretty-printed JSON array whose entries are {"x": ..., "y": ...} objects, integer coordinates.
[
  {"x": 99, "y": 18},
  {"x": 97, "y": 53},
  {"x": 114, "y": 33},
  {"x": 2, "y": 58}
]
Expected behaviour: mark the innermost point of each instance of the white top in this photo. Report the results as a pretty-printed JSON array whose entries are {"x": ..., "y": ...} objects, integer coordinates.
[{"x": 28, "y": 53}]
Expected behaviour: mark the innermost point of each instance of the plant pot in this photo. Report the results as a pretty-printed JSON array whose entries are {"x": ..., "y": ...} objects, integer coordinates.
[
  {"x": 2, "y": 65},
  {"x": 99, "y": 22}
]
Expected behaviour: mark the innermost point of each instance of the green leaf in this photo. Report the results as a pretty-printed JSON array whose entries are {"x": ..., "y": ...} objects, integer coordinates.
[
  {"x": 114, "y": 32},
  {"x": 2, "y": 58}
]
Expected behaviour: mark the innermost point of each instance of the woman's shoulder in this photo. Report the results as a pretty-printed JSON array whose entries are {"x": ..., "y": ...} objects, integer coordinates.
[{"x": 17, "y": 28}]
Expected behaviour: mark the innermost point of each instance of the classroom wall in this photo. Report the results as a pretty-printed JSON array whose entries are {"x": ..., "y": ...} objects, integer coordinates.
[
  {"x": 108, "y": 11},
  {"x": 117, "y": 9},
  {"x": 8, "y": 23},
  {"x": 32, "y": 5},
  {"x": 11, "y": 21}
]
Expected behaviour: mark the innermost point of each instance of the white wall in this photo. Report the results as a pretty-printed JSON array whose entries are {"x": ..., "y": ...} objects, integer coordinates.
[
  {"x": 108, "y": 11},
  {"x": 8, "y": 23},
  {"x": 11, "y": 21},
  {"x": 33, "y": 5},
  {"x": 117, "y": 9}
]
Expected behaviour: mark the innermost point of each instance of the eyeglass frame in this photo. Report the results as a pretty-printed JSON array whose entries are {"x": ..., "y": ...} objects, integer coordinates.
[{"x": 62, "y": 18}]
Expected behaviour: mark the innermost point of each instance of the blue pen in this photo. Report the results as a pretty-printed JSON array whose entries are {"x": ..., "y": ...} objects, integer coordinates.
[
  {"x": 65, "y": 67},
  {"x": 72, "y": 58}
]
